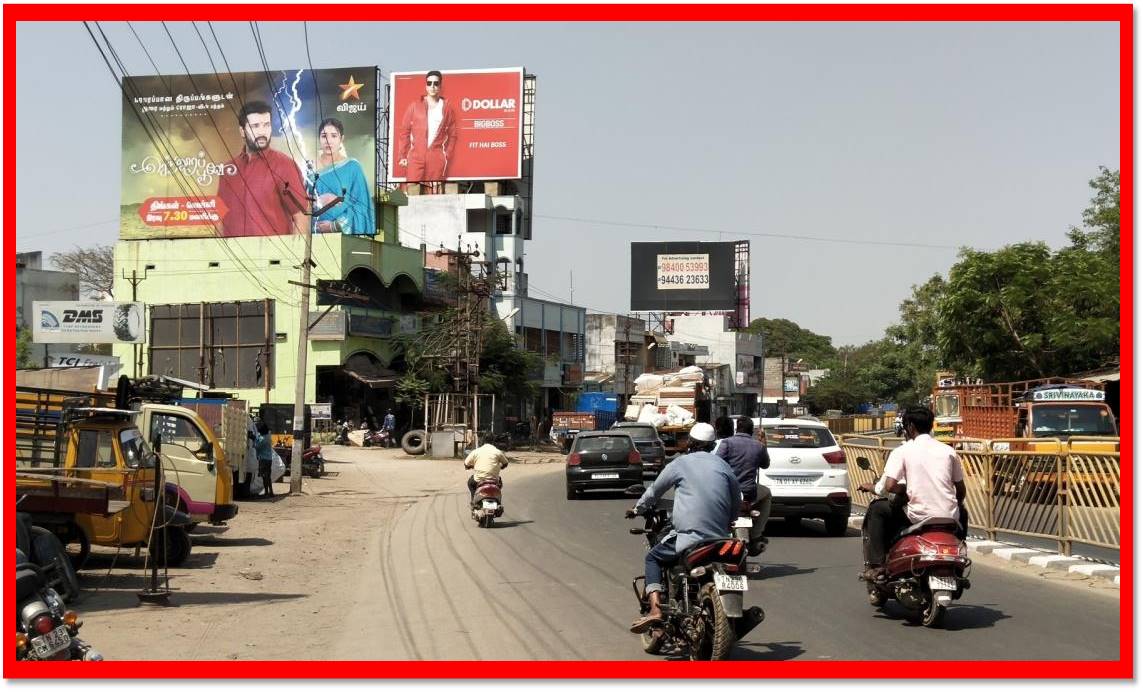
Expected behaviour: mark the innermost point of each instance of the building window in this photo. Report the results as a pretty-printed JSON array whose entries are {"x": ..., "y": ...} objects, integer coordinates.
[
  {"x": 225, "y": 345},
  {"x": 503, "y": 224}
]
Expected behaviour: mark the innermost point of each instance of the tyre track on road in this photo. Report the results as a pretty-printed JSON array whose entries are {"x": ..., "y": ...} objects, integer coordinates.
[
  {"x": 591, "y": 606},
  {"x": 553, "y": 652},
  {"x": 444, "y": 590},
  {"x": 388, "y": 570}
]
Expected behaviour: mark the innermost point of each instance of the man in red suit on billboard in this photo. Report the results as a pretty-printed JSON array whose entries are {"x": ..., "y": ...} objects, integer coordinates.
[
  {"x": 427, "y": 139},
  {"x": 265, "y": 195}
]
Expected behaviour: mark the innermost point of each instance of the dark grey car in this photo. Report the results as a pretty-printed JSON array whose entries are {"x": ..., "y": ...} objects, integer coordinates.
[
  {"x": 649, "y": 445},
  {"x": 603, "y": 460}
]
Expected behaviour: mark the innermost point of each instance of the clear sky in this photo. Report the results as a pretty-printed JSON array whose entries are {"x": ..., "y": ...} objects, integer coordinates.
[{"x": 927, "y": 134}]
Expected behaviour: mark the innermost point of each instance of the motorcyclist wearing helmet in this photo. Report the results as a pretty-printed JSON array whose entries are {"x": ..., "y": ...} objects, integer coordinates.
[{"x": 706, "y": 503}]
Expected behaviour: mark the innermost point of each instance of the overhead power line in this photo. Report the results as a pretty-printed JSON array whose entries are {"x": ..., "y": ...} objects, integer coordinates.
[{"x": 752, "y": 234}]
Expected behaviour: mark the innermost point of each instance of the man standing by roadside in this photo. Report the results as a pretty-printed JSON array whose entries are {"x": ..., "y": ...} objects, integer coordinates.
[
  {"x": 264, "y": 195},
  {"x": 746, "y": 455},
  {"x": 427, "y": 137}
]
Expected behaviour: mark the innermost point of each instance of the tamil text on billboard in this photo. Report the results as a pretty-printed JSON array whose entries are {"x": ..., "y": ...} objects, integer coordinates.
[
  {"x": 249, "y": 153},
  {"x": 683, "y": 276},
  {"x": 456, "y": 125},
  {"x": 91, "y": 322}
]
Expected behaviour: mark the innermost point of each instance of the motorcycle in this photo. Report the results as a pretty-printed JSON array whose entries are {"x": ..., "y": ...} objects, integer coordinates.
[
  {"x": 926, "y": 569},
  {"x": 377, "y": 438},
  {"x": 45, "y": 631},
  {"x": 745, "y": 522},
  {"x": 313, "y": 464},
  {"x": 702, "y": 598},
  {"x": 342, "y": 437},
  {"x": 487, "y": 503}
]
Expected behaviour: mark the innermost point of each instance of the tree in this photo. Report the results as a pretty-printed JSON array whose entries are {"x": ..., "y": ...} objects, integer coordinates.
[
  {"x": 1101, "y": 218},
  {"x": 786, "y": 338},
  {"x": 916, "y": 337},
  {"x": 994, "y": 313},
  {"x": 95, "y": 267},
  {"x": 24, "y": 357}
]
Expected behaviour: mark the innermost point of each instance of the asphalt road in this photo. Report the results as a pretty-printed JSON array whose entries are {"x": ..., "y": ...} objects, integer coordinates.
[{"x": 552, "y": 580}]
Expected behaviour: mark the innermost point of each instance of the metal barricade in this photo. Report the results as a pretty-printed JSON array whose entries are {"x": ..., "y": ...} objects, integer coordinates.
[{"x": 1038, "y": 487}]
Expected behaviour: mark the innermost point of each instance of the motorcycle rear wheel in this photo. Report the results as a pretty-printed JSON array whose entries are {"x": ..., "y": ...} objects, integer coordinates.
[
  {"x": 717, "y": 636},
  {"x": 486, "y": 521}
]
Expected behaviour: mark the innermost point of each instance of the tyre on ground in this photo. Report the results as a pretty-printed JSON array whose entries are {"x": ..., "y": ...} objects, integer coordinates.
[
  {"x": 413, "y": 442},
  {"x": 48, "y": 552}
]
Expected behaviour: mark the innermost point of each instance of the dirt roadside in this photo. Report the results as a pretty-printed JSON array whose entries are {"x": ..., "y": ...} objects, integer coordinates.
[{"x": 278, "y": 582}]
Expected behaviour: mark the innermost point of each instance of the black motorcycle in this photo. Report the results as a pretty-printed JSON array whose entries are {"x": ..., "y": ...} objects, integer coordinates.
[
  {"x": 702, "y": 598},
  {"x": 45, "y": 630}
]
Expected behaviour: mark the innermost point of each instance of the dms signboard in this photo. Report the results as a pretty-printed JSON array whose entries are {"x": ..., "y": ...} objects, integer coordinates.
[
  {"x": 456, "y": 125},
  {"x": 241, "y": 154},
  {"x": 93, "y": 322},
  {"x": 683, "y": 276}
]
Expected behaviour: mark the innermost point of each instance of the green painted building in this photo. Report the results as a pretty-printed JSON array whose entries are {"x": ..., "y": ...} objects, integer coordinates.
[{"x": 223, "y": 311}]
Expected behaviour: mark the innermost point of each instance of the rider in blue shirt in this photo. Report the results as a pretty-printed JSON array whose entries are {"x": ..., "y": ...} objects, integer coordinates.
[{"x": 706, "y": 503}]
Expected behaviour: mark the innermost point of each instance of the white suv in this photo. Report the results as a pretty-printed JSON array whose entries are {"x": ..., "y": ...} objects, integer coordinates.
[{"x": 807, "y": 474}]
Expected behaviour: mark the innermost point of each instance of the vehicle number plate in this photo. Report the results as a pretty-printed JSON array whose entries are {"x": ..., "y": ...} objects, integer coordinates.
[
  {"x": 743, "y": 522},
  {"x": 604, "y": 476},
  {"x": 729, "y": 582},
  {"x": 793, "y": 480},
  {"x": 942, "y": 584},
  {"x": 50, "y": 643},
  {"x": 489, "y": 504}
]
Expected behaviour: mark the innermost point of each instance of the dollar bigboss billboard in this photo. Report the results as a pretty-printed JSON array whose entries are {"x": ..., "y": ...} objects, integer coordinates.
[
  {"x": 248, "y": 153},
  {"x": 456, "y": 125}
]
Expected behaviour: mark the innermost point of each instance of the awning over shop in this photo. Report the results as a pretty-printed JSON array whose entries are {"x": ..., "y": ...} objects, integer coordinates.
[{"x": 369, "y": 372}]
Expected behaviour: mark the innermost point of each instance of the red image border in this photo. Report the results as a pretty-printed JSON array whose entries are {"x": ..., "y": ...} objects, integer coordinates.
[{"x": 1120, "y": 14}]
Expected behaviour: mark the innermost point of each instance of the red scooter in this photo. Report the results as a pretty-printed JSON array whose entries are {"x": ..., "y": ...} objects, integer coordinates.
[
  {"x": 486, "y": 503},
  {"x": 926, "y": 569}
]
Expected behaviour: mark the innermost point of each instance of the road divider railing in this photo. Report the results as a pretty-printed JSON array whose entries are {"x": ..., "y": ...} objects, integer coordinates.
[
  {"x": 861, "y": 423},
  {"x": 1041, "y": 487}
]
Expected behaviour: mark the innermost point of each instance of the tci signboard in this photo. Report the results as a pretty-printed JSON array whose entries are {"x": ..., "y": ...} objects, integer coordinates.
[{"x": 682, "y": 276}]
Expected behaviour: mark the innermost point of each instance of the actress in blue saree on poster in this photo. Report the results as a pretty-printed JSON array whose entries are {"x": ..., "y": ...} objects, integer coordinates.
[{"x": 336, "y": 172}]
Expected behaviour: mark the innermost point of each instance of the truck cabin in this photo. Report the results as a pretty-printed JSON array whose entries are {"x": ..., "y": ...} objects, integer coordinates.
[{"x": 1063, "y": 411}]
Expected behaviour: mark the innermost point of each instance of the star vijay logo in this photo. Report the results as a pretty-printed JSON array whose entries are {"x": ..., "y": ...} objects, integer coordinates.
[{"x": 350, "y": 91}]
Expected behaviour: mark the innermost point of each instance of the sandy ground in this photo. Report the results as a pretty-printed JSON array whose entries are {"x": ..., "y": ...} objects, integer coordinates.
[{"x": 286, "y": 577}]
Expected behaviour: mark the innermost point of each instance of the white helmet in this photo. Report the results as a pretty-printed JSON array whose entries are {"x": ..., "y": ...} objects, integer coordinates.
[{"x": 702, "y": 432}]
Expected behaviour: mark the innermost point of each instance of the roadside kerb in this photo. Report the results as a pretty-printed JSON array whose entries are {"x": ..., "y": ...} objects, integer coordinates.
[{"x": 1030, "y": 556}]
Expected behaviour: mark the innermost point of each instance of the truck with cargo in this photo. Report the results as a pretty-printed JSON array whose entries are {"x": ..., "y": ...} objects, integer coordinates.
[{"x": 1055, "y": 408}]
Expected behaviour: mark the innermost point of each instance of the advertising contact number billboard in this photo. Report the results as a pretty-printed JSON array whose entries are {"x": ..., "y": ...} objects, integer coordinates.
[{"x": 683, "y": 276}]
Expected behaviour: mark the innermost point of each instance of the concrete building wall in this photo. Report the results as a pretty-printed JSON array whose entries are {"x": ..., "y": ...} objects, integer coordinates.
[
  {"x": 724, "y": 346},
  {"x": 193, "y": 270}
]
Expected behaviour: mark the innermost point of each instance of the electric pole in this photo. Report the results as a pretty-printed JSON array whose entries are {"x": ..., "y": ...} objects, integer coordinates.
[{"x": 298, "y": 427}]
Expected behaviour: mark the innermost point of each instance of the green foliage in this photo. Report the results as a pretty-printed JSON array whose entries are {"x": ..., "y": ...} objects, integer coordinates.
[
  {"x": 505, "y": 369},
  {"x": 994, "y": 312},
  {"x": 1101, "y": 219},
  {"x": 783, "y": 337},
  {"x": 1020, "y": 312},
  {"x": 24, "y": 349}
]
